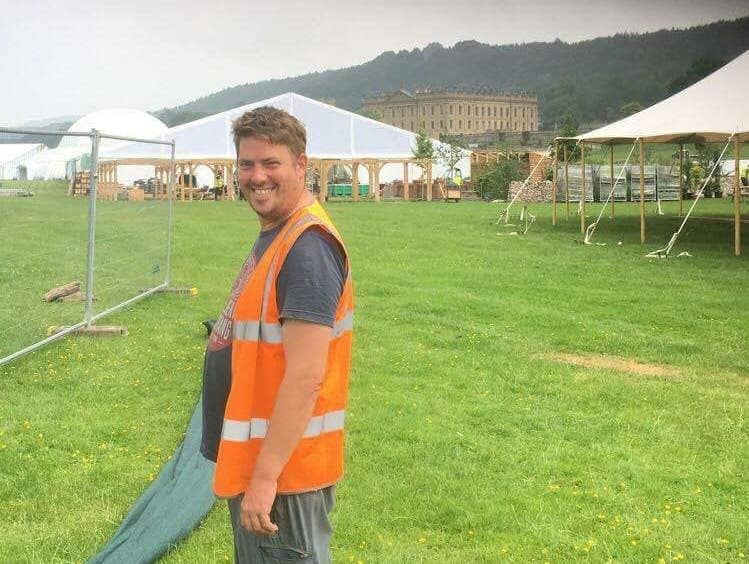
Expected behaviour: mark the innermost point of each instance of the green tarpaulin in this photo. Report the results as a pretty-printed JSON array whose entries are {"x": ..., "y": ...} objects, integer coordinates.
[{"x": 169, "y": 509}]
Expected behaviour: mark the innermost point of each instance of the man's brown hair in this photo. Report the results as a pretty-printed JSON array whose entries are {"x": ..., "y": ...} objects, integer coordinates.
[{"x": 274, "y": 126}]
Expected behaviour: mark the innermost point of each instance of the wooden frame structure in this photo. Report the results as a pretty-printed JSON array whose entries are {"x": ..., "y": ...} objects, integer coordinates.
[
  {"x": 374, "y": 167},
  {"x": 183, "y": 168},
  {"x": 227, "y": 167}
]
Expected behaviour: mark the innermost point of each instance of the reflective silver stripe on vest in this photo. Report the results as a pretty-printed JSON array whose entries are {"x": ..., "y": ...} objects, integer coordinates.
[
  {"x": 331, "y": 421},
  {"x": 271, "y": 332},
  {"x": 241, "y": 431},
  {"x": 345, "y": 324},
  {"x": 254, "y": 331}
]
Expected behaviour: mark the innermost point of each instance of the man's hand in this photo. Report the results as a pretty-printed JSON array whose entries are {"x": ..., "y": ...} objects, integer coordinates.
[{"x": 256, "y": 505}]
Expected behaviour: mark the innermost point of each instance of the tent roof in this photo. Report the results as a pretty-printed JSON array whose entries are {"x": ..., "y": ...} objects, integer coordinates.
[
  {"x": 331, "y": 133},
  {"x": 708, "y": 111},
  {"x": 11, "y": 151}
]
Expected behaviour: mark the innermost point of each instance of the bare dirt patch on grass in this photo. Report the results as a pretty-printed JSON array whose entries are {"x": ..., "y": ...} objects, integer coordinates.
[{"x": 615, "y": 363}]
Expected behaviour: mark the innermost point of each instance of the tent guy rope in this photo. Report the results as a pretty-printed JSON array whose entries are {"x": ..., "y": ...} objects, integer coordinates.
[
  {"x": 663, "y": 253},
  {"x": 592, "y": 227}
]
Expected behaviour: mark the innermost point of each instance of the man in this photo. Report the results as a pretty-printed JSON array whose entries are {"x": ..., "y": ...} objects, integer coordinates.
[
  {"x": 218, "y": 186},
  {"x": 276, "y": 367}
]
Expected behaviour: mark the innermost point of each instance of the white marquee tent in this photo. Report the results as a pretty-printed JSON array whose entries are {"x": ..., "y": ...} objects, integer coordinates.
[
  {"x": 15, "y": 155},
  {"x": 710, "y": 110},
  {"x": 713, "y": 110},
  {"x": 332, "y": 133},
  {"x": 126, "y": 122}
]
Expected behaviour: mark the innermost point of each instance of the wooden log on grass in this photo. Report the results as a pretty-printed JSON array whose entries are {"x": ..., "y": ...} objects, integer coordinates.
[
  {"x": 93, "y": 330},
  {"x": 61, "y": 291}
]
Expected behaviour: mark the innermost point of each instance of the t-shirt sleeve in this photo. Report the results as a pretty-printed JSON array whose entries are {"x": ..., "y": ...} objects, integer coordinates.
[{"x": 311, "y": 280}]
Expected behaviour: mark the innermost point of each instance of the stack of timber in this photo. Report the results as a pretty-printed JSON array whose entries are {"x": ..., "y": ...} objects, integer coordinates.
[
  {"x": 533, "y": 192},
  {"x": 80, "y": 184}
]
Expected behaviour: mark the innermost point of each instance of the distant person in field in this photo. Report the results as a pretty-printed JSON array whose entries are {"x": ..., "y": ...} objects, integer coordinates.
[
  {"x": 275, "y": 380},
  {"x": 218, "y": 186}
]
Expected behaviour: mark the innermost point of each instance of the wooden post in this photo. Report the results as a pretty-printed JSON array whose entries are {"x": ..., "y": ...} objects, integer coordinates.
[
  {"x": 642, "y": 191},
  {"x": 582, "y": 191},
  {"x": 566, "y": 185},
  {"x": 355, "y": 181},
  {"x": 613, "y": 180},
  {"x": 737, "y": 196},
  {"x": 405, "y": 182},
  {"x": 228, "y": 187},
  {"x": 182, "y": 181},
  {"x": 377, "y": 167},
  {"x": 554, "y": 184},
  {"x": 192, "y": 180},
  {"x": 429, "y": 181},
  {"x": 681, "y": 180},
  {"x": 323, "y": 181}
]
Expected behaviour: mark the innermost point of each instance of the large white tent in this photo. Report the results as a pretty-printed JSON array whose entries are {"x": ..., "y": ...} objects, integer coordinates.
[
  {"x": 710, "y": 110},
  {"x": 332, "y": 133},
  {"x": 13, "y": 156},
  {"x": 125, "y": 122},
  {"x": 713, "y": 110}
]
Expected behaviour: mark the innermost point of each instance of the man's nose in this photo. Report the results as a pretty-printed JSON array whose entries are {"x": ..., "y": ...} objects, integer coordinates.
[{"x": 258, "y": 176}]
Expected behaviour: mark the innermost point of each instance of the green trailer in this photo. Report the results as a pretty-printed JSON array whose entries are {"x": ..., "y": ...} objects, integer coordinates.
[{"x": 344, "y": 190}]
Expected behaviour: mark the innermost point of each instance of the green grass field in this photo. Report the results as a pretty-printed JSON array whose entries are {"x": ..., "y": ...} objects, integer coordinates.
[{"x": 467, "y": 440}]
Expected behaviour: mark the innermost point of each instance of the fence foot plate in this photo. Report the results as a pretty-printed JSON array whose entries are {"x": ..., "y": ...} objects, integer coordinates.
[{"x": 93, "y": 330}]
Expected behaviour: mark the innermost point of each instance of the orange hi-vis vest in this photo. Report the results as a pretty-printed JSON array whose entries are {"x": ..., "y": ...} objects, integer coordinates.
[{"x": 257, "y": 369}]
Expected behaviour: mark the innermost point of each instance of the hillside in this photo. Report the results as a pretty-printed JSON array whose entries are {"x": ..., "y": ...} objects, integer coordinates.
[{"x": 590, "y": 79}]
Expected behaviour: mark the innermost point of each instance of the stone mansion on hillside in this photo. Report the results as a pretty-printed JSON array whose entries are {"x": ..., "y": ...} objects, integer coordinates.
[{"x": 456, "y": 113}]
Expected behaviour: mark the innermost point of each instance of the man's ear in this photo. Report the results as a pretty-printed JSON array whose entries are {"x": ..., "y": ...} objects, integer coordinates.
[{"x": 301, "y": 163}]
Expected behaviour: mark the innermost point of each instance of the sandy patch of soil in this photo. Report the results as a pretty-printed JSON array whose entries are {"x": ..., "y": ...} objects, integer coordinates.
[{"x": 615, "y": 363}]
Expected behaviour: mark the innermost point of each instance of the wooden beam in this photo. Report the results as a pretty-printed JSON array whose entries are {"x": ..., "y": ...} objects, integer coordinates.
[
  {"x": 405, "y": 182},
  {"x": 566, "y": 184},
  {"x": 355, "y": 181},
  {"x": 737, "y": 196},
  {"x": 642, "y": 191},
  {"x": 376, "y": 168},
  {"x": 429, "y": 181},
  {"x": 681, "y": 180},
  {"x": 582, "y": 190},
  {"x": 554, "y": 184},
  {"x": 613, "y": 180},
  {"x": 323, "y": 181}
]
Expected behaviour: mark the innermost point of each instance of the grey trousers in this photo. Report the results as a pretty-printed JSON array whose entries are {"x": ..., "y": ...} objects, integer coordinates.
[{"x": 303, "y": 535}]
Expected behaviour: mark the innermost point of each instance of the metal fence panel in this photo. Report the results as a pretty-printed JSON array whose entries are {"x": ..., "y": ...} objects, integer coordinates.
[{"x": 58, "y": 230}]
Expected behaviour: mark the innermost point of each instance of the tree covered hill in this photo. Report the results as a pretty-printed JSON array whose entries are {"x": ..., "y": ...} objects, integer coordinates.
[{"x": 590, "y": 80}]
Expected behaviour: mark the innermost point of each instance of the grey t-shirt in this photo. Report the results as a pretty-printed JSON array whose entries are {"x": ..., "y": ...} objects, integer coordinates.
[{"x": 308, "y": 287}]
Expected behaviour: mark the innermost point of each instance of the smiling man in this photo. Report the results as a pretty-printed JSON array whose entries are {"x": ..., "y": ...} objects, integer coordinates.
[{"x": 275, "y": 378}]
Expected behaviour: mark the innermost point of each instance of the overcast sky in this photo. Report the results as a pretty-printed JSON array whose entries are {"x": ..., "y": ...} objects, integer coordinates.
[{"x": 62, "y": 58}]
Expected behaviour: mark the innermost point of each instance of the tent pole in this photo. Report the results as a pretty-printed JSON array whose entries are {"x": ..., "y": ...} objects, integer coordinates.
[
  {"x": 642, "y": 191},
  {"x": 611, "y": 171},
  {"x": 582, "y": 195},
  {"x": 681, "y": 179},
  {"x": 737, "y": 196},
  {"x": 566, "y": 185},
  {"x": 554, "y": 184}
]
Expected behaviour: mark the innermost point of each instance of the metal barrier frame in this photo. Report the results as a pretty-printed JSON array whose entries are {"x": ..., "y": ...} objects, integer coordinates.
[{"x": 89, "y": 317}]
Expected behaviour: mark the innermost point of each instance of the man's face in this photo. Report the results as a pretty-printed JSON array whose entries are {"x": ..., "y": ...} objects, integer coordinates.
[{"x": 271, "y": 178}]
